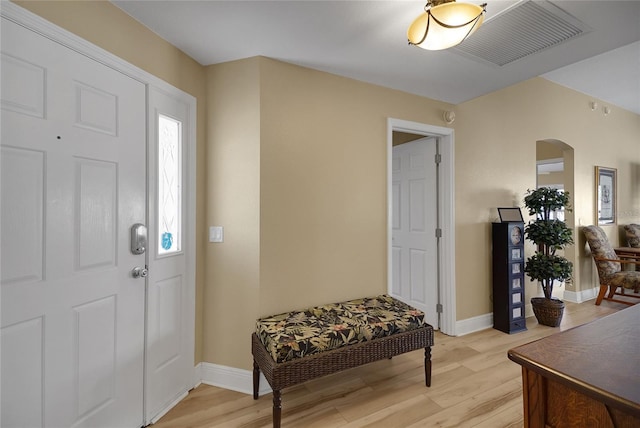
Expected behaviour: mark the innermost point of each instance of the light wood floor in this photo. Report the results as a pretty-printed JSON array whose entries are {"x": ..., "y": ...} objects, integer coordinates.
[{"x": 474, "y": 384}]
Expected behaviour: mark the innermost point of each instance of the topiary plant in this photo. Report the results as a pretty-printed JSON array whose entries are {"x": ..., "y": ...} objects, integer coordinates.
[{"x": 549, "y": 235}]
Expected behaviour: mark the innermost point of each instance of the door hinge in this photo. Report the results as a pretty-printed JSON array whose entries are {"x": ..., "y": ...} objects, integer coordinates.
[
  {"x": 438, "y": 233},
  {"x": 439, "y": 308},
  {"x": 438, "y": 158}
]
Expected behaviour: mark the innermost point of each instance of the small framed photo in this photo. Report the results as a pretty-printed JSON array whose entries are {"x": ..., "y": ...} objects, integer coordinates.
[
  {"x": 516, "y": 283},
  {"x": 606, "y": 188},
  {"x": 515, "y": 268},
  {"x": 516, "y": 298},
  {"x": 510, "y": 214},
  {"x": 516, "y": 254},
  {"x": 517, "y": 312}
]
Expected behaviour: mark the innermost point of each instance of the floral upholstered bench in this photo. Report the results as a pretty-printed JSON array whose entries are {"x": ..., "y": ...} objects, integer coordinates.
[{"x": 294, "y": 347}]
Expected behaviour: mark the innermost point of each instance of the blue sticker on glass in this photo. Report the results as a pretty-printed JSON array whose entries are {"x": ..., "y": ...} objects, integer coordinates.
[{"x": 167, "y": 240}]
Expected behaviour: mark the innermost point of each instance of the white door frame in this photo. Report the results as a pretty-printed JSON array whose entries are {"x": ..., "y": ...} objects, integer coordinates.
[
  {"x": 38, "y": 24},
  {"x": 446, "y": 211}
]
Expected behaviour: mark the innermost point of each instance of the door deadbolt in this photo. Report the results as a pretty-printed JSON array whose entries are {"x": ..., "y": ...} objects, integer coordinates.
[{"x": 138, "y": 238}]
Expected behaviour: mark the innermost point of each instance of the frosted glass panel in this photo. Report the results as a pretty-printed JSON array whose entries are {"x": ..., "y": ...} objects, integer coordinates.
[{"x": 169, "y": 185}]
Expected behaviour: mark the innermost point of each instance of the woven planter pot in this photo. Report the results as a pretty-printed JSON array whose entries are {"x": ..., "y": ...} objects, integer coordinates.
[{"x": 548, "y": 311}]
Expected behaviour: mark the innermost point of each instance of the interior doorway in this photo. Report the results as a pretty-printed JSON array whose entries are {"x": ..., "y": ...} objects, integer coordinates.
[
  {"x": 445, "y": 215},
  {"x": 414, "y": 219}
]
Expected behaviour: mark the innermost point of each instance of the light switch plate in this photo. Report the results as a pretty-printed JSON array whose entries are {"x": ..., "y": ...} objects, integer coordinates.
[{"x": 216, "y": 234}]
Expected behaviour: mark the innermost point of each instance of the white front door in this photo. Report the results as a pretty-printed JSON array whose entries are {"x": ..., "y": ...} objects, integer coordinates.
[
  {"x": 170, "y": 313},
  {"x": 414, "y": 222},
  {"x": 73, "y": 182}
]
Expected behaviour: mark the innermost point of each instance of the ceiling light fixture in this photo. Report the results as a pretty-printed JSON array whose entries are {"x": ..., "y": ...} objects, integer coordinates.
[{"x": 445, "y": 23}]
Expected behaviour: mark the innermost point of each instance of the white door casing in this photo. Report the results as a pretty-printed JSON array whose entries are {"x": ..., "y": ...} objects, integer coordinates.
[
  {"x": 446, "y": 214},
  {"x": 414, "y": 242},
  {"x": 73, "y": 182},
  {"x": 170, "y": 323}
]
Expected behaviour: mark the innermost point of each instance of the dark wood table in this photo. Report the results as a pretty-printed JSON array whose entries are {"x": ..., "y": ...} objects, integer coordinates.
[
  {"x": 588, "y": 376},
  {"x": 628, "y": 252}
]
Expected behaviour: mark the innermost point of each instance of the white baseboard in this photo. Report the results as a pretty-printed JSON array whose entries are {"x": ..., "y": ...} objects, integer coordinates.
[
  {"x": 580, "y": 296},
  {"x": 232, "y": 378},
  {"x": 471, "y": 325},
  {"x": 483, "y": 322}
]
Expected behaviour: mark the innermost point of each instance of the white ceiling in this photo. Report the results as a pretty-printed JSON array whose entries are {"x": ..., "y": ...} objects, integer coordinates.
[{"x": 366, "y": 40}]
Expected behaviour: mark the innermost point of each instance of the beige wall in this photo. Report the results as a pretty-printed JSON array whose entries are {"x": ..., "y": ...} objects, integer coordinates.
[
  {"x": 551, "y": 179},
  {"x": 496, "y": 163},
  {"x": 293, "y": 166},
  {"x": 315, "y": 180},
  {"x": 403, "y": 137},
  {"x": 232, "y": 272},
  {"x": 323, "y": 184},
  {"x": 545, "y": 150},
  {"x": 108, "y": 27}
]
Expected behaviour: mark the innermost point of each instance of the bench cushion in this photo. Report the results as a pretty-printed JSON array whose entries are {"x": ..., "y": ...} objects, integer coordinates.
[{"x": 296, "y": 334}]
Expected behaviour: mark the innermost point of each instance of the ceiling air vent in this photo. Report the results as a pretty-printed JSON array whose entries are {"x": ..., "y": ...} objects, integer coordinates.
[{"x": 523, "y": 29}]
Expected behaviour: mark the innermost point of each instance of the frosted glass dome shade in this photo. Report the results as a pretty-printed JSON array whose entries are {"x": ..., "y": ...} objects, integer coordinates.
[{"x": 445, "y": 25}]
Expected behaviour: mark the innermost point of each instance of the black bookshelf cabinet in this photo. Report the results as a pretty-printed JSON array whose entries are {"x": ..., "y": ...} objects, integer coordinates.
[{"x": 508, "y": 277}]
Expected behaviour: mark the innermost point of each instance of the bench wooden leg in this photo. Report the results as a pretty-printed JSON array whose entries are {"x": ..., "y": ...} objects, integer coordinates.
[
  {"x": 256, "y": 379},
  {"x": 427, "y": 365},
  {"x": 277, "y": 409}
]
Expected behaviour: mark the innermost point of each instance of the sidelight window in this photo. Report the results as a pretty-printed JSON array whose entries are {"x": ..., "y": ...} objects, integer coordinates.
[{"x": 169, "y": 185}]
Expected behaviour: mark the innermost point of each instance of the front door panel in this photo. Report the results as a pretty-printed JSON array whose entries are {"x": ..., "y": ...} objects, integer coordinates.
[{"x": 73, "y": 182}]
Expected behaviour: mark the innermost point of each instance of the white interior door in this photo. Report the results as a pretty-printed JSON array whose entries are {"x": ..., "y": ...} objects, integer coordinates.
[
  {"x": 170, "y": 313},
  {"x": 73, "y": 182},
  {"x": 414, "y": 222}
]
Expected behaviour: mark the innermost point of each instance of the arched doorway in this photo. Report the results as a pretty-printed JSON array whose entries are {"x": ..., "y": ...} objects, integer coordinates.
[{"x": 555, "y": 168}]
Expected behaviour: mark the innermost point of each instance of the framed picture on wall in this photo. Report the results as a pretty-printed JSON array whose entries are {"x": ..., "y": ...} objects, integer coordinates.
[{"x": 606, "y": 188}]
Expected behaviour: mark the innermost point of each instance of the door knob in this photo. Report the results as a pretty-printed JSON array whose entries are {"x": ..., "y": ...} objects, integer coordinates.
[{"x": 139, "y": 272}]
